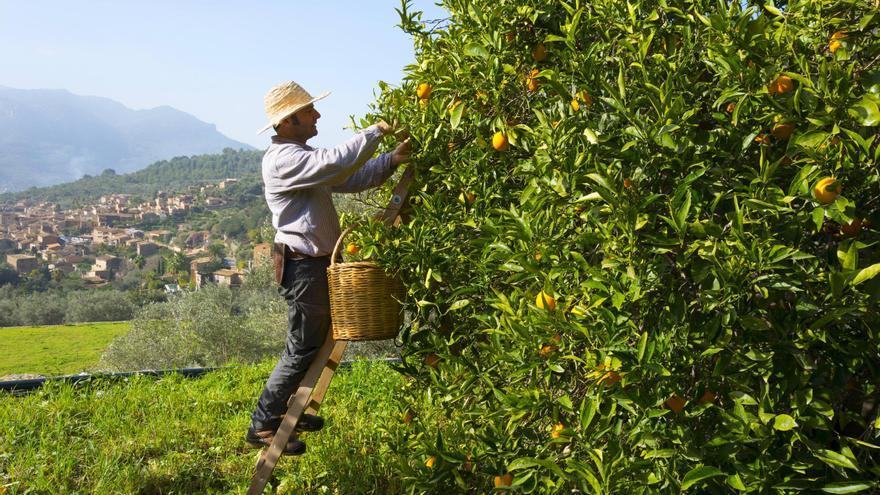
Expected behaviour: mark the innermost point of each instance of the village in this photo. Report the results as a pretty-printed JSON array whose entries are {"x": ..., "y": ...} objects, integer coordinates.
[{"x": 89, "y": 241}]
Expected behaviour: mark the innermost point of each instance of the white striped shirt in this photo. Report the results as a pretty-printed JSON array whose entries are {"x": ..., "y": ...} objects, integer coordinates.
[{"x": 298, "y": 181}]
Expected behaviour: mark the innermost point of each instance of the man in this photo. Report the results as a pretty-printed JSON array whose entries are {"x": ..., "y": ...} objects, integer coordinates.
[{"x": 298, "y": 181}]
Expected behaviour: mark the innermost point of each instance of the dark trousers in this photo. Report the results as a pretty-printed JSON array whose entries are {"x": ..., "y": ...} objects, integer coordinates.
[{"x": 304, "y": 286}]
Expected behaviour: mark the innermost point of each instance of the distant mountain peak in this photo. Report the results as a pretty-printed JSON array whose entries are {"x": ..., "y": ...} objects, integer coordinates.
[{"x": 50, "y": 136}]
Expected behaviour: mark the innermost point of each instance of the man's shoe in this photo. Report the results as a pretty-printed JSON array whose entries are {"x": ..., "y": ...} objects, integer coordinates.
[
  {"x": 310, "y": 422},
  {"x": 263, "y": 439}
]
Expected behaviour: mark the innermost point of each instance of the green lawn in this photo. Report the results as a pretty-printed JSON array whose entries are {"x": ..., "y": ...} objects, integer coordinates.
[
  {"x": 175, "y": 435},
  {"x": 55, "y": 349}
]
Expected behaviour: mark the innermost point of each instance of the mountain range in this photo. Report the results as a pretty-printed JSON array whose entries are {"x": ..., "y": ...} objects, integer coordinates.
[{"x": 53, "y": 136}]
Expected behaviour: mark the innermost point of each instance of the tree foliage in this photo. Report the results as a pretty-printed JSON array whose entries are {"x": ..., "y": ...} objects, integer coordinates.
[{"x": 713, "y": 323}]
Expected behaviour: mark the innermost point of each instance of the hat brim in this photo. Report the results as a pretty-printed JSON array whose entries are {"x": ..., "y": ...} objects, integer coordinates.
[{"x": 294, "y": 110}]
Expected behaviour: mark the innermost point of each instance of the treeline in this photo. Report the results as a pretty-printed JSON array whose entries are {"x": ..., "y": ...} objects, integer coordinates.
[
  {"x": 166, "y": 175},
  {"x": 57, "y": 307}
]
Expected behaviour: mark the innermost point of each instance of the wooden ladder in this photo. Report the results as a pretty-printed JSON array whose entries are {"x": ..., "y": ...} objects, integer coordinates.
[{"x": 313, "y": 387}]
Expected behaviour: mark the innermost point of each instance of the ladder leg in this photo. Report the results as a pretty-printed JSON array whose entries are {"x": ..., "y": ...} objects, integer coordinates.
[
  {"x": 296, "y": 406},
  {"x": 326, "y": 376}
]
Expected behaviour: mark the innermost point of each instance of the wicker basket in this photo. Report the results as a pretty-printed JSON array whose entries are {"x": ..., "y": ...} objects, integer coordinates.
[{"x": 364, "y": 299}]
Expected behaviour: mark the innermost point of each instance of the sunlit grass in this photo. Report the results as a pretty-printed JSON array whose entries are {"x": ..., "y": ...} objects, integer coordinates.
[
  {"x": 55, "y": 349},
  {"x": 177, "y": 435}
]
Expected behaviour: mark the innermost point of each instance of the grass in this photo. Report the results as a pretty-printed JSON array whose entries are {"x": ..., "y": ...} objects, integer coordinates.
[
  {"x": 55, "y": 349},
  {"x": 147, "y": 436}
]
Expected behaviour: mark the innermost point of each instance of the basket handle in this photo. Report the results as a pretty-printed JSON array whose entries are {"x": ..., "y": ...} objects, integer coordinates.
[{"x": 339, "y": 242}]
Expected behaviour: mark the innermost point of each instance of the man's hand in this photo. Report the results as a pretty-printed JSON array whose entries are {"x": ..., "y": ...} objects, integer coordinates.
[
  {"x": 402, "y": 153},
  {"x": 385, "y": 127}
]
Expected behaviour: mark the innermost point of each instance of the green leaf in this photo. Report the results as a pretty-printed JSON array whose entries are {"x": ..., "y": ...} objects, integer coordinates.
[
  {"x": 866, "y": 274},
  {"x": 848, "y": 254},
  {"x": 866, "y": 111},
  {"x": 455, "y": 115},
  {"x": 698, "y": 474},
  {"x": 476, "y": 50},
  {"x": 588, "y": 410},
  {"x": 833, "y": 458},
  {"x": 848, "y": 487},
  {"x": 591, "y": 136},
  {"x": 735, "y": 482},
  {"x": 769, "y": 7},
  {"x": 643, "y": 342},
  {"x": 784, "y": 422},
  {"x": 818, "y": 218},
  {"x": 459, "y": 304}
]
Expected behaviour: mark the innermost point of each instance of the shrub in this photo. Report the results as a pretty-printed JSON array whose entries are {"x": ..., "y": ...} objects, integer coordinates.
[
  {"x": 41, "y": 308},
  {"x": 714, "y": 319},
  {"x": 214, "y": 326},
  {"x": 104, "y": 305}
]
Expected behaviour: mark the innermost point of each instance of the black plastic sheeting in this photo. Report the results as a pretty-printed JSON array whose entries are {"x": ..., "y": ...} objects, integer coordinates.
[{"x": 24, "y": 386}]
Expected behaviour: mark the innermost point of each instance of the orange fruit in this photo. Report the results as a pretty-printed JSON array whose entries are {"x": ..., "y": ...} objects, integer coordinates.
[
  {"x": 431, "y": 461},
  {"x": 503, "y": 480},
  {"x": 544, "y": 300},
  {"x": 627, "y": 183},
  {"x": 532, "y": 80},
  {"x": 675, "y": 403},
  {"x": 431, "y": 360},
  {"x": 781, "y": 85},
  {"x": 586, "y": 98},
  {"x": 609, "y": 378},
  {"x": 853, "y": 228},
  {"x": 834, "y": 43},
  {"x": 352, "y": 248},
  {"x": 547, "y": 350},
  {"x": 731, "y": 107},
  {"x": 424, "y": 91},
  {"x": 826, "y": 190},
  {"x": 762, "y": 139},
  {"x": 499, "y": 141},
  {"x": 539, "y": 54},
  {"x": 707, "y": 397},
  {"x": 782, "y": 131},
  {"x": 556, "y": 432},
  {"x": 538, "y": 256},
  {"x": 575, "y": 105}
]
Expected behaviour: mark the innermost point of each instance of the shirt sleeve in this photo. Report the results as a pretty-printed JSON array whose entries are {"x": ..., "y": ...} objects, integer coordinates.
[
  {"x": 372, "y": 174},
  {"x": 300, "y": 168}
]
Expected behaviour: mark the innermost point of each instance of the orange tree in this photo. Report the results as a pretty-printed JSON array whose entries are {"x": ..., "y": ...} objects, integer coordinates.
[{"x": 625, "y": 272}]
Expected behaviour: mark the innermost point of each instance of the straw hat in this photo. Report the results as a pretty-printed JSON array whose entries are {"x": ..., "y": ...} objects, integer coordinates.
[{"x": 284, "y": 100}]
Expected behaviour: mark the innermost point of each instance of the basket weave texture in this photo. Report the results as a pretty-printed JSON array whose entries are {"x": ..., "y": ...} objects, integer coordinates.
[{"x": 364, "y": 301}]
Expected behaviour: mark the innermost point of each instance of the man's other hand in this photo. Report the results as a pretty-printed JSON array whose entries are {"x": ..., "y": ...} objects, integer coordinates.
[{"x": 402, "y": 153}]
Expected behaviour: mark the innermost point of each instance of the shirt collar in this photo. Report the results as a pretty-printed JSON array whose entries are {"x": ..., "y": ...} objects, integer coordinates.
[{"x": 276, "y": 139}]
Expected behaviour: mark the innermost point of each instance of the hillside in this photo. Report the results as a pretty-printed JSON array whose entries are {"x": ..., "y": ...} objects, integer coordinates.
[
  {"x": 165, "y": 175},
  {"x": 53, "y": 136}
]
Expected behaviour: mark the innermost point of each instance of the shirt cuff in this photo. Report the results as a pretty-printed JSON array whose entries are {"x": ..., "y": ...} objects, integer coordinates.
[{"x": 373, "y": 132}]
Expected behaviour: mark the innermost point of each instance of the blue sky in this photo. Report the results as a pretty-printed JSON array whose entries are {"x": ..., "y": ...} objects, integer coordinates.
[{"x": 213, "y": 59}]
